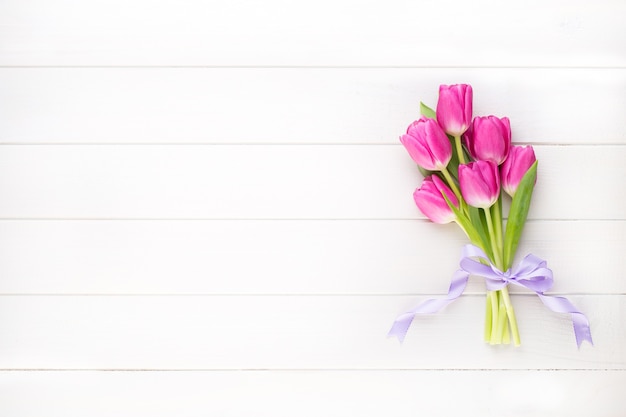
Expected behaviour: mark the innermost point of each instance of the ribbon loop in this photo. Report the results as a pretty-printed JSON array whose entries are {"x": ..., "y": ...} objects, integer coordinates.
[{"x": 531, "y": 273}]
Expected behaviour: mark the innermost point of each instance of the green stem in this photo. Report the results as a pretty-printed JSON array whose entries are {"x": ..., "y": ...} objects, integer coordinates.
[
  {"x": 493, "y": 297},
  {"x": 455, "y": 190},
  {"x": 502, "y": 316},
  {"x": 452, "y": 184},
  {"x": 504, "y": 293},
  {"x": 488, "y": 324},
  {"x": 506, "y": 337},
  {"x": 497, "y": 304},
  {"x": 497, "y": 223},
  {"x": 502, "y": 330},
  {"x": 459, "y": 149},
  {"x": 511, "y": 313},
  {"x": 492, "y": 236}
]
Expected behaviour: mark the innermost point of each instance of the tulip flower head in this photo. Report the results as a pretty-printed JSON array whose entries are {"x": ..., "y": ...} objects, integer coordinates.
[
  {"x": 520, "y": 159},
  {"x": 480, "y": 183},
  {"x": 489, "y": 139},
  {"x": 454, "y": 108},
  {"x": 427, "y": 144},
  {"x": 429, "y": 199}
]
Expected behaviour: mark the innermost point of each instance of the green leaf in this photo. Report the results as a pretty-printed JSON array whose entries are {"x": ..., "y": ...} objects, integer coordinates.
[
  {"x": 427, "y": 111},
  {"x": 466, "y": 225},
  {"x": 478, "y": 219},
  {"x": 518, "y": 214}
]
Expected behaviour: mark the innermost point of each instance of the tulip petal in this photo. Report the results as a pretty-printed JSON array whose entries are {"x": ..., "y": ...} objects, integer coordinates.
[
  {"x": 430, "y": 199},
  {"x": 489, "y": 139},
  {"x": 520, "y": 159},
  {"x": 454, "y": 108},
  {"x": 427, "y": 144},
  {"x": 480, "y": 183}
]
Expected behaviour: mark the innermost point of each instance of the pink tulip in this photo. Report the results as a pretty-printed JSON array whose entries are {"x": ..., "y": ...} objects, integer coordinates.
[
  {"x": 520, "y": 159},
  {"x": 430, "y": 201},
  {"x": 427, "y": 144},
  {"x": 480, "y": 183},
  {"x": 454, "y": 108},
  {"x": 489, "y": 139}
]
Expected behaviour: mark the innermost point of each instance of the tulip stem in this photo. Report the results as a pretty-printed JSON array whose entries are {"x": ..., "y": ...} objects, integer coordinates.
[
  {"x": 506, "y": 306},
  {"x": 494, "y": 246},
  {"x": 506, "y": 337},
  {"x": 497, "y": 223},
  {"x": 454, "y": 188},
  {"x": 493, "y": 297},
  {"x": 501, "y": 319},
  {"x": 459, "y": 149},
  {"x": 511, "y": 314},
  {"x": 488, "y": 315},
  {"x": 496, "y": 336}
]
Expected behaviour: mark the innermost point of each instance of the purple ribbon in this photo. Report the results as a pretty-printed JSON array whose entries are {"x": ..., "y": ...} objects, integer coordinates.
[{"x": 531, "y": 273}]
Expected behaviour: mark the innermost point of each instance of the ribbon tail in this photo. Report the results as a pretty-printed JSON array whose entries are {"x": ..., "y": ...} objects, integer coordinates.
[
  {"x": 431, "y": 306},
  {"x": 579, "y": 320}
]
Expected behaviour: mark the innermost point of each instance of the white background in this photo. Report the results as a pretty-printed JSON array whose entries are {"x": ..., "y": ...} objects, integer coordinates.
[{"x": 205, "y": 209}]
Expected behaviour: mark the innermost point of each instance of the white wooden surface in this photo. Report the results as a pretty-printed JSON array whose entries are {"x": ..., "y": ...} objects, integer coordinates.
[{"x": 204, "y": 208}]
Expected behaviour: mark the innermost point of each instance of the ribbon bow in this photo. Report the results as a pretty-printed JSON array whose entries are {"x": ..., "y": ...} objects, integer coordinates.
[{"x": 531, "y": 273}]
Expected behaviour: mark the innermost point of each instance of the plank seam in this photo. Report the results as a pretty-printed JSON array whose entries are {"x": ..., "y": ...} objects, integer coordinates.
[
  {"x": 312, "y": 295},
  {"x": 252, "y": 67},
  {"x": 286, "y": 370},
  {"x": 286, "y": 144}
]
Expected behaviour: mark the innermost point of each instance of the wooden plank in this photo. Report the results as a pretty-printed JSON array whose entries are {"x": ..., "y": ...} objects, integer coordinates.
[
  {"x": 293, "y": 332},
  {"x": 272, "y": 182},
  {"x": 313, "y": 393},
  {"x": 327, "y": 32},
  {"x": 296, "y": 105},
  {"x": 284, "y": 257}
]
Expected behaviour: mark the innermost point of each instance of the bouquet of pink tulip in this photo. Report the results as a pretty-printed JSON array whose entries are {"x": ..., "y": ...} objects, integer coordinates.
[{"x": 466, "y": 185}]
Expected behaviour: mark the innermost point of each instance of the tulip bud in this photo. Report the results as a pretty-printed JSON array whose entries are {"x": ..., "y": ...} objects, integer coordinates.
[
  {"x": 480, "y": 183},
  {"x": 430, "y": 201},
  {"x": 454, "y": 108},
  {"x": 489, "y": 139},
  {"x": 427, "y": 144},
  {"x": 520, "y": 159}
]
